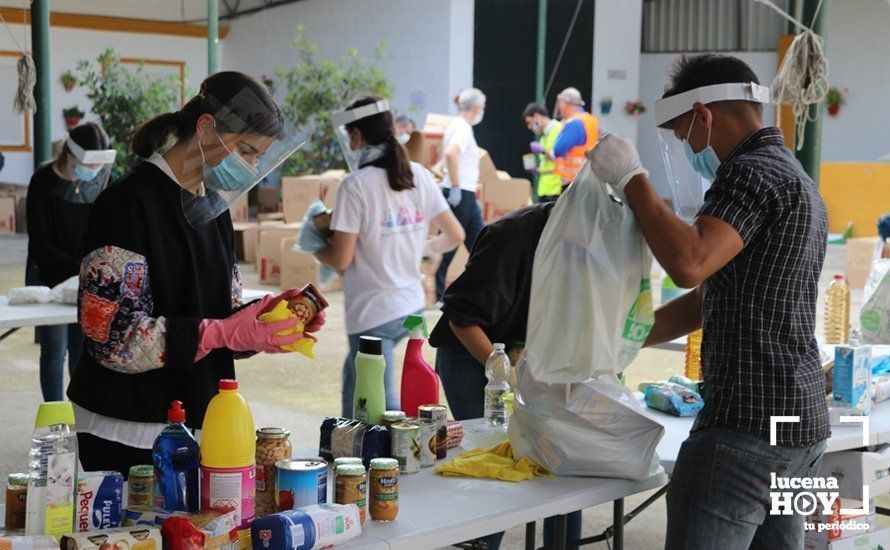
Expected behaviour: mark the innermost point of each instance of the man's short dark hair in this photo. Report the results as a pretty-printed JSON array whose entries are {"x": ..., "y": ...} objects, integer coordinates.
[
  {"x": 694, "y": 71},
  {"x": 533, "y": 109}
]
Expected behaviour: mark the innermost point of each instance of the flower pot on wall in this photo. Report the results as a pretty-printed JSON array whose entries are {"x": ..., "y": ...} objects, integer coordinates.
[{"x": 834, "y": 109}]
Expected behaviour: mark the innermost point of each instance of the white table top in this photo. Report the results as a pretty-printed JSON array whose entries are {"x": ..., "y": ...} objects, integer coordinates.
[
  {"x": 30, "y": 315},
  {"x": 843, "y": 438},
  {"x": 436, "y": 511}
]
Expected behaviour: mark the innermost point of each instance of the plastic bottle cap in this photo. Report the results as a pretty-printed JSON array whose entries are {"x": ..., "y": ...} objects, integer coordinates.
[
  {"x": 838, "y": 277},
  {"x": 499, "y": 347},
  {"x": 228, "y": 385},
  {"x": 370, "y": 345},
  {"x": 176, "y": 413},
  {"x": 52, "y": 413}
]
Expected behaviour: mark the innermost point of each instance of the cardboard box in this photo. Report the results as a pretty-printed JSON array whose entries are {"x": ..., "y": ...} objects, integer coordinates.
[
  {"x": 487, "y": 170},
  {"x": 138, "y": 537},
  {"x": 501, "y": 197},
  {"x": 297, "y": 268},
  {"x": 239, "y": 210},
  {"x": 266, "y": 217},
  {"x": 269, "y": 199},
  {"x": 245, "y": 241},
  {"x": 824, "y": 529},
  {"x": 300, "y": 191},
  {"x": 425, "y": 146},
  {"x": 852, "y": 378},
  {"x": 7, "y": 215},
  {"x": 269, "y": 250},
  {"x": 428, "y": 268},
  {"x": 860, "y": 253},
  {"x": 458, "y": 264},
  {"x": 855, "y": 469},
  {"x": 878, "y": 539}
]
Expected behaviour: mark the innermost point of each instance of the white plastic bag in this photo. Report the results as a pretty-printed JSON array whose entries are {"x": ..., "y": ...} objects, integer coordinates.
[
  {"x": 66, "y": 291},
  {"x": 874, "y": 317},
  {"x": 596, "y": 428},
  {"x": 591, "y": 305},
  {"x": 29, "y": 295}
]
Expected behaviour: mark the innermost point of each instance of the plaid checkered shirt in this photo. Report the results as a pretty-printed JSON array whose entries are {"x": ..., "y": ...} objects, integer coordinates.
[{"x": 759, "y": 352}]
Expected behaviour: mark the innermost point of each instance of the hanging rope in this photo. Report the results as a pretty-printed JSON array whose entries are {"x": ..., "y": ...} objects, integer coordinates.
[
  {"x": 562, "y": 50},
  {"x": 802, "y": 80},
  {"x": 27, "y": 72}
]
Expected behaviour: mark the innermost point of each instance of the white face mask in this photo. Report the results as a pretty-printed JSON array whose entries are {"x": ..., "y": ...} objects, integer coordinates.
[
  {"x": 479, "y": 117},
  {"x": 404, "y": 138}
]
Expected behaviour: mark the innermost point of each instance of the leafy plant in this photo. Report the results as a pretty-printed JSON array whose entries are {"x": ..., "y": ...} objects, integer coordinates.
[
  {"x": 73, "y": 112},
  {"x": 834, "y": 97},
  {"x": 68, "y": 80},
  {"x": 314, "y": 88},
  {"x": 123, "y": 99},
  {"x": 634, "y": 108}
]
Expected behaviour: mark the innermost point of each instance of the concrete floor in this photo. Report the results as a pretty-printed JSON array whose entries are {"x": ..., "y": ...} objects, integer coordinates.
[{"x": 297, "y": 393}]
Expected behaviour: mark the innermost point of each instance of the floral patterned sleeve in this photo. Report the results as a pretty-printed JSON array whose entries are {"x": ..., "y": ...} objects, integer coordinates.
[
  {"x": 237, "y": 287},
  {"x": 114, "y": 311}
]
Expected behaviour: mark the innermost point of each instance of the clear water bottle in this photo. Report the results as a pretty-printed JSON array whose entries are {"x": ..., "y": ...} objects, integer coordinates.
[
  {"x": 497, "y": 370},
  {"x": 52, "y": 483}
]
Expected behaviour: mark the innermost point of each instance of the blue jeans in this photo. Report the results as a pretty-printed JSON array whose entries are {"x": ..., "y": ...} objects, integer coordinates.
[
  {"x": 391, "y": 333},
  {"x": 470, "y": 217},
  {"x": 463, "y": 379},
  {"x": 719, "y": 493},
  {"x": 55, "y": 341}
]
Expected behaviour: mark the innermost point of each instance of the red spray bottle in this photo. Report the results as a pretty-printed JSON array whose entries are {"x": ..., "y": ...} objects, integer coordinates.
[{"x": 420, "y": 383}]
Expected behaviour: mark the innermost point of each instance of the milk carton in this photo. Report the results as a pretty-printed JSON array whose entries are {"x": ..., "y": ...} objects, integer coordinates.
[
  {"x": 99, "y": 501},
  {"x": 852, "y": 379}
]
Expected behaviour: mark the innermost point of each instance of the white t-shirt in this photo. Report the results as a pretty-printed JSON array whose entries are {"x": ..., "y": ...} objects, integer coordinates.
[
  {"x": 384, "y": 281},
  {"x": 460, "y": 133}
]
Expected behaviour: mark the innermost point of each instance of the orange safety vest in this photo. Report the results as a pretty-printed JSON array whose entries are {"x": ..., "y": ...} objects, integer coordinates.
[{"x": 566, "y": 167}]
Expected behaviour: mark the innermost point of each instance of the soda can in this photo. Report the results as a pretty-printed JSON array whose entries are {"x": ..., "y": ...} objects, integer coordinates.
[
  {"x": 406, "y": 446},
  {"x": 438, "y": 414},
  {"x": 301, "y": 482},
  {"x": 426, "y": 441}
]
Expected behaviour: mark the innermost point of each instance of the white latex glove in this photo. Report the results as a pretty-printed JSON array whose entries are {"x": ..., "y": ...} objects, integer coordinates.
[
  {"x": 454, "y": 196},
  {"x": 615, "y": 161}
]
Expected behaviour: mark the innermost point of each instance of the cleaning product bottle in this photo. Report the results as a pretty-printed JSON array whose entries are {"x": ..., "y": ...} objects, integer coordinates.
[
  {"x": 52, "y": 482},
  {"x": 176, "y": 458},
  {"x": 420, "y": 383},
  {"x": 369, "y": 402},
  {"x": 693, "y": 355},
  {"x": 228, "y": 451},
  {"x": 497, "y": 370},
  {"x": 837, "y": 312}
]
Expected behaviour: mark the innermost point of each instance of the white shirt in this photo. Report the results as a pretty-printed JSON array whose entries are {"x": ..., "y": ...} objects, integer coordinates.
[
  {"x": 460, "y": 133},
  {"x": 383, "y": 283}
]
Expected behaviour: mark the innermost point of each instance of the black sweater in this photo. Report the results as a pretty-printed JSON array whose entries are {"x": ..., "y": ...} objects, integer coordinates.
[{"x": 148, "y": 279}]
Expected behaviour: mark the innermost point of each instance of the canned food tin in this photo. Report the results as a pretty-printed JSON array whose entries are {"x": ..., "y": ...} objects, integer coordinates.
[
  {"x": 392, "y": 417},
  {"x": 406, "y": 446},
  {"x": 301, "y": 482},
  {"x": 439, "y": 414},
  {"x": 426, "y": 441}
]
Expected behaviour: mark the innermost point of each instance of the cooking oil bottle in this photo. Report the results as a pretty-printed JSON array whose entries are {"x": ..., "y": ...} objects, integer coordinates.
[
  {"x": 693, "y": 355},
  {"x": 837, "y": 312}
]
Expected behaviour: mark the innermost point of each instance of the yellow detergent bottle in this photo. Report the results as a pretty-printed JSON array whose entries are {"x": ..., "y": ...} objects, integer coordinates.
[{"x": 228, "y": 450}]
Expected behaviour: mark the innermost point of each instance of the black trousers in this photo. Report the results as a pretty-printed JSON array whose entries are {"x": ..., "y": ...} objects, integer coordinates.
[{"x": 97, "y": 454}]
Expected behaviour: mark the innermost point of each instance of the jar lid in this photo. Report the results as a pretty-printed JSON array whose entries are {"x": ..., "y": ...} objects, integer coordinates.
[
  {"x": 18, "y": 479},
  {"x": 349, "y": 470},
  {"x": 348, "y": 460},
  {"x": 272, "y": 433},
  {"x": 384, "y": 464},
  {"x": 409, "y": 426},
  {"x": 142, "y": 470},
  {"x": 394, "y": 416}
]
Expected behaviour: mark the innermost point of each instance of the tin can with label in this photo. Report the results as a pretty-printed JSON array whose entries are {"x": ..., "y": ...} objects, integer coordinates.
[
  {"x": 406, "y": 446},
  {"x": 301, "y": 482},
  {"x": 438, "y": 414},
  {"x": 426, "y": 441}
]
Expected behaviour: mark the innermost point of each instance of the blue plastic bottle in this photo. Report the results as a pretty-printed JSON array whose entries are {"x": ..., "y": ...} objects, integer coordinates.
[{"x": 176, "y": 460}]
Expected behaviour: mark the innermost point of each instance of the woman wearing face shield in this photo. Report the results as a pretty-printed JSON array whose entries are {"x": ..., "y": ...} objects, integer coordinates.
[
  {"x": 380, "y": 224},
  {"x": 60, "y": 196},
  {"x": 160, "y": 291}
]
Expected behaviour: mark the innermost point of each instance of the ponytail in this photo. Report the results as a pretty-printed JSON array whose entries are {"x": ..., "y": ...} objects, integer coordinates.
[
  {"x": 398, "y": 167},
  {"x": 153, "y": 134}
]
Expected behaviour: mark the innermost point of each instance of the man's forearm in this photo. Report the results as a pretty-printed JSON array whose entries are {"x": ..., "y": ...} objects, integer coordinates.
[
  {"x": 474, "y": 340},
  {"x": 676, "y": 318}
]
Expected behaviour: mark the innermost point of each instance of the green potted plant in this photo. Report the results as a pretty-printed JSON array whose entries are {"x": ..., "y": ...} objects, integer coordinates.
[
  {"x": 634, "y": 108},
  {"x": 69, "y": 81},
  {"x": 72, "y": 116},
  {"x": 606, "y": 105},
  {"x": 834, "y": 99}
]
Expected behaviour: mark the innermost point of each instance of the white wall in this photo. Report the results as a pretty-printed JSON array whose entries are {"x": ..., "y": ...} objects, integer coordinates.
[
  {"x": 429, "y": 56},
  {"x": 858, "y": 53},
  {"x": 616, "y": 62},
  {"x": 68, "y": 46},
  {"x": 654, "y": 69}
]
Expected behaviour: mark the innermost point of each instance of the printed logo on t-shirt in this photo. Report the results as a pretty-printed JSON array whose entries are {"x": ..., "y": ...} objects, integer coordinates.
[{"x": 395, "y": 222}]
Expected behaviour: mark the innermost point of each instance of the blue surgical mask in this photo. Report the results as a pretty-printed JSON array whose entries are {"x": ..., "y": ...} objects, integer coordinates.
[
  {"x": 86, "y": 174},
  {"x": 232, "y": 174},
  {"x": 705, "y": 162},
  {"x": 404, "y": 138}
]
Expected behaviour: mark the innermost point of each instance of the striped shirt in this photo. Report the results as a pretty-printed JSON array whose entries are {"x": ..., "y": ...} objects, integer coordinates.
[{"x": 760, "y": 357}]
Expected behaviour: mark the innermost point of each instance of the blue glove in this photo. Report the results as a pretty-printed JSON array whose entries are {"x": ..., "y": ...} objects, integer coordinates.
[
  {"x": 454, "y": 196},
  {"x": 311, "y": 239},
  {"x": 884, "y": 226}
]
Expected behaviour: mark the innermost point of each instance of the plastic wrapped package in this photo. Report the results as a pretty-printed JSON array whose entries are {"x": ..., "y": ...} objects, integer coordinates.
[
  {"x": 344, "y": 437},
  {"x": 874, "y": 317},
  {"x": 205, "y": 531},
  {"x": 674, "y": 399},
  {"x": 319, "y": 526}
]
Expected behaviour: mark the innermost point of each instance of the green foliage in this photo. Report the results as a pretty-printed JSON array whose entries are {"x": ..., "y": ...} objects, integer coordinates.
[
  {"x": 315, "y": 88},
  {"x": 73, "y": 112},
  {"x": 834, "y": 97},
  {"x": 123, "y": 99}
]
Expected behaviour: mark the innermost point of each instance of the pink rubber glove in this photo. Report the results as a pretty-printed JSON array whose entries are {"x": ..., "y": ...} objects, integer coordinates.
[
  {"x": 536, "y": 147},
  {"x": 243, "y": 332}
]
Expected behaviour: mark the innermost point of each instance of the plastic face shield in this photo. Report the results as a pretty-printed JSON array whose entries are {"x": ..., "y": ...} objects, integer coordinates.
[
  {"x": 263, "y": 139},
  {"x": 97, "y": 161},
  {"x": 340, "y": 119},
  {"x": 688, "y": 186}
]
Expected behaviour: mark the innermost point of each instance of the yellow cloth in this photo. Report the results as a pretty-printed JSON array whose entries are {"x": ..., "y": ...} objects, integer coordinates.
[
  {"x": 279, "y": 313},
  {"x": 495, "y": 463}
]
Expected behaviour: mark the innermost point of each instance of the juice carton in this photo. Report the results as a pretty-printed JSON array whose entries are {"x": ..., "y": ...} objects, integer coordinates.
[{"x": 852, "y": 378}]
